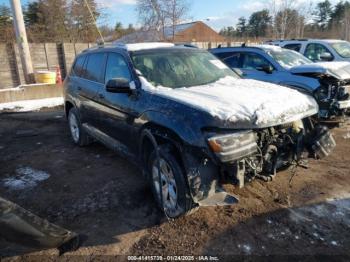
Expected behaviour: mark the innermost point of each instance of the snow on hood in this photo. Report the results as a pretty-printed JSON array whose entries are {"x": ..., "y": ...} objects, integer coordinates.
[
  {"x": 340, "y": 70},
  {"x": 244, "y": 103}
]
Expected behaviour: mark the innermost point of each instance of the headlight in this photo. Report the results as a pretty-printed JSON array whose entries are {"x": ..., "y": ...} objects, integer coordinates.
[{"x": 233, "y": 146}]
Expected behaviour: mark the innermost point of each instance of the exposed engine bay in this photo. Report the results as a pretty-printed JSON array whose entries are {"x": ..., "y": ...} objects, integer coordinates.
[
  {"x": 333, "y": 97},
  {"x": 281, "y": 146}
]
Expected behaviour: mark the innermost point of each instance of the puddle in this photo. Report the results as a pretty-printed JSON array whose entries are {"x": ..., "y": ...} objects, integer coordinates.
[{"x": 25, "y": 178}]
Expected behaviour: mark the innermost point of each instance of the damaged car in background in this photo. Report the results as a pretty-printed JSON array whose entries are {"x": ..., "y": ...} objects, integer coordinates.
[
  {"x": 188, "y": 120},
  {"x": 327, "y": 82}
]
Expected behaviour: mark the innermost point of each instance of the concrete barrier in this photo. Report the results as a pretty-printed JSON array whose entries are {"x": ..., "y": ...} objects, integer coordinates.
[{"x": 30, "y": 92}]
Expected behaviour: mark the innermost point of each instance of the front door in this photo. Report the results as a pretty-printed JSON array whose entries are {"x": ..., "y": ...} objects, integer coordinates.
[
  {"x": 117, "y": 109},
  {"x": 253, "y": 67}
]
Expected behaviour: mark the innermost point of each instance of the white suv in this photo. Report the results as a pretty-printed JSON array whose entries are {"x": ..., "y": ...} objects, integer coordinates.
[{"x": 317, "y": 49}]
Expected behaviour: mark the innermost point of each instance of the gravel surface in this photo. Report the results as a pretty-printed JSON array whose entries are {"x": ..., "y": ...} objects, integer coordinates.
[{"x": 95, "y": 192}]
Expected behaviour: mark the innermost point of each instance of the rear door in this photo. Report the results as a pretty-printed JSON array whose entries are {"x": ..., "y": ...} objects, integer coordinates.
[{"x": 90, "y": 85}]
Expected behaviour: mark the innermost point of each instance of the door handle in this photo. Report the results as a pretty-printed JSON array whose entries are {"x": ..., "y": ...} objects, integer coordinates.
[{"x": 101, "y": 96}]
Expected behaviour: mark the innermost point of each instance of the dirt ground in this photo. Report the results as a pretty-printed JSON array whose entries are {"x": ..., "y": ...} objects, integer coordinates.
[{"x": 94, "y": 192}]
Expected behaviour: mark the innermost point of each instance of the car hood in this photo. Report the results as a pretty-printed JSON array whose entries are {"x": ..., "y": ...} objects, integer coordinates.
[
  {"x": 242, "y": 103},
  {"x": 340, "y": 70}
]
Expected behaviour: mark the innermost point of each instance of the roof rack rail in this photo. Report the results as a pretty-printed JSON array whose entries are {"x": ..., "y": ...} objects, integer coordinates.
[{"x": 103, "y": 45}]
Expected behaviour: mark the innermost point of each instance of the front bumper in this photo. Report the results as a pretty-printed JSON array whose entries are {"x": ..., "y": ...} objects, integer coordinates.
[{"x": 343, "y": 104}]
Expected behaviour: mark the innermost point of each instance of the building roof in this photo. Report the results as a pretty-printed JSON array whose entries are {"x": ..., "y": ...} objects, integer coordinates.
[{"x": 154, "y": 35}]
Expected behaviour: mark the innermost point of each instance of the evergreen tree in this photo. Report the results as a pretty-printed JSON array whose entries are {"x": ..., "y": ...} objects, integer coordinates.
[{"x": 259, "y": 22}]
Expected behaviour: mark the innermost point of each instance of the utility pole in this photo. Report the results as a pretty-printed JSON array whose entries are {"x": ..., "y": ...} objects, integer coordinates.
[{"x": 21, "y": 37}]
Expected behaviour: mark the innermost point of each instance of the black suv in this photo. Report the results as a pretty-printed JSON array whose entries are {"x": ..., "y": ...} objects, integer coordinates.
[{"x": 188, "y": 120}]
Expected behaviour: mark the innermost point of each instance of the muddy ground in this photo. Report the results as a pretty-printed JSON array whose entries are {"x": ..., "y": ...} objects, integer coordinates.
[{"x": 94, "y": 192}]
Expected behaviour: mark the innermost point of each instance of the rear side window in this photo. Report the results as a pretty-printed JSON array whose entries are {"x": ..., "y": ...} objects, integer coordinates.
[
  {"x": 78, "y": 66},
  {"x": 254, "y": 61},
  {"x": 294, "y": 47},
  {"x": 230, "y": 59},
  {"x": 117, "y": 67},
  {"x": 94, "y": 67}
]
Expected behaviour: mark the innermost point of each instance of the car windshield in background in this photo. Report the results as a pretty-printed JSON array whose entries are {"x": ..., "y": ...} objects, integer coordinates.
[
  {"x": 180, "y": 68},
  {"x": 288, "y": 58},
  {"x": 342, "y": 48}
]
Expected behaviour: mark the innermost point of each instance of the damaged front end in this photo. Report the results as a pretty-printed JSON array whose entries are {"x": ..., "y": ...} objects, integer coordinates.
[
  {"x": 259, "y": 154},
  {"x": 333, "y": 98}
]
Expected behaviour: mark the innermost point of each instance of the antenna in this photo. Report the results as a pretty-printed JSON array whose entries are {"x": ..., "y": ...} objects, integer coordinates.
[{"x": 93, "y": 18}]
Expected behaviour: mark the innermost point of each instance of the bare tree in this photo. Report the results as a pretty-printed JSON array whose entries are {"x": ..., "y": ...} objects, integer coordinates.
[
  {"x": 346, "y": 25},
  {"x": 157, "y": 14},
  {"x": 176, "y": 10},
  {"x": 289, "y": 17}
]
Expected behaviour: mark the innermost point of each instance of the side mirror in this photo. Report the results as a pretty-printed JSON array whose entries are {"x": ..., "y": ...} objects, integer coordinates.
[
  {"x": 266, "y": 68},
  {"x": 118, "y": 85},
  {"x": 326, "y": 56}
]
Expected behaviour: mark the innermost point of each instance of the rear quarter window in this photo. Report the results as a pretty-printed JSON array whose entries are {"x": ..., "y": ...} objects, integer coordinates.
[
  {"x": 78, "y": 68},
  {"x": 294, "y": 47},
  {"x": 230, "y": 59}
]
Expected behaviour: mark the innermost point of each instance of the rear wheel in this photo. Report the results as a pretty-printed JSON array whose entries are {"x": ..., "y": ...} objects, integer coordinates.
[
  {"x": 78, "y": 135},
  {"x": 168, "y": 184}
]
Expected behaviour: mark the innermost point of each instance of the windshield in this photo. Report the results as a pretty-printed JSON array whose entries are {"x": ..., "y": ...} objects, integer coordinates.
[
  {"x": 342, "y": 48},
  {"x": 288, "y": 58},
  {"x": 180, "y": 68}
]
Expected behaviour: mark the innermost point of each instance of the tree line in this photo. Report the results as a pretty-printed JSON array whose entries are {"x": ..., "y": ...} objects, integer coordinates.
[
  {"x": 60, "y": 21},
  {"x": 285, "y": 19},
  {"x": 71, "y": 20}
]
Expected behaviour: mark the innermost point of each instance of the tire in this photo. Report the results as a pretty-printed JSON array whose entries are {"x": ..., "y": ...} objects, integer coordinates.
[
  {"x": 79, "y": 136},
  {"x": 177, "y": 199}
]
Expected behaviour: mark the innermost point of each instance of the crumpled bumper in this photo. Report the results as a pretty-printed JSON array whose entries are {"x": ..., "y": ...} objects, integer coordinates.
[{"x": 343, "y": 104}]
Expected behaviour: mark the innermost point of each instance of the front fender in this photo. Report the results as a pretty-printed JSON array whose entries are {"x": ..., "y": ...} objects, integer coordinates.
[{"x": 188, "y": 131}]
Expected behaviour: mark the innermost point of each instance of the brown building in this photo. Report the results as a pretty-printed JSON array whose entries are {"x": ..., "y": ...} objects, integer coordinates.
[{"x": 182, "y": 33}]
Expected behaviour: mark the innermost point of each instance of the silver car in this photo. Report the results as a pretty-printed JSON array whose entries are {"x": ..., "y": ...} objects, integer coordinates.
[
  {"x": 328, "y": 82},
  {"x": 318, "y": 50}
]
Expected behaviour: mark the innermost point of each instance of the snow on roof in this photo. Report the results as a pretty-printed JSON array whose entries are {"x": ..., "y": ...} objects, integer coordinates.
[
  {"x": 331, "y": 40},
  {"x": 154, "y": 35},
  {"x": 168, "y": 30},
  {"x": 269, "y": 47},
  {"x": 144, "y": 46}
]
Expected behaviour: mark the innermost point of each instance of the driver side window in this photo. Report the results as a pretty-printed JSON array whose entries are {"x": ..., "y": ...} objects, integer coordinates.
[
  {"x": 253, "y": 61},
  {"x": 117, "y": 68},
  {"x": 315, "y": 51}
]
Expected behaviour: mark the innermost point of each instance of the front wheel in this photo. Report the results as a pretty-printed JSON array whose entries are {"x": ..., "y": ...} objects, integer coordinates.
[{"x": 167, "y": 177}]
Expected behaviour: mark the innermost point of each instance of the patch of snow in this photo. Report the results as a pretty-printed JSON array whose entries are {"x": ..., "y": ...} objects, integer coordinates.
[
  {"x": 334, "y": 243},
  {"x": 340, "y": 70},
  {"x": 269, "y": 221},
  {"x": 296, "y": 237},
  {"x": 347, "y": 135},
  {"x": 333, "y": 65},
  {"x": 247, "y": 248},
  {"x": 26, "y": 178},
  {"x": 31, "y": 105},
  {"x": 145, "y": 46},
  {"x": 244, "y": 102}
]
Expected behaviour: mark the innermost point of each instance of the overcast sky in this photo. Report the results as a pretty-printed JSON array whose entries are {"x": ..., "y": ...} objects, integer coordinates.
[{"x": 216, "y": 13}]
